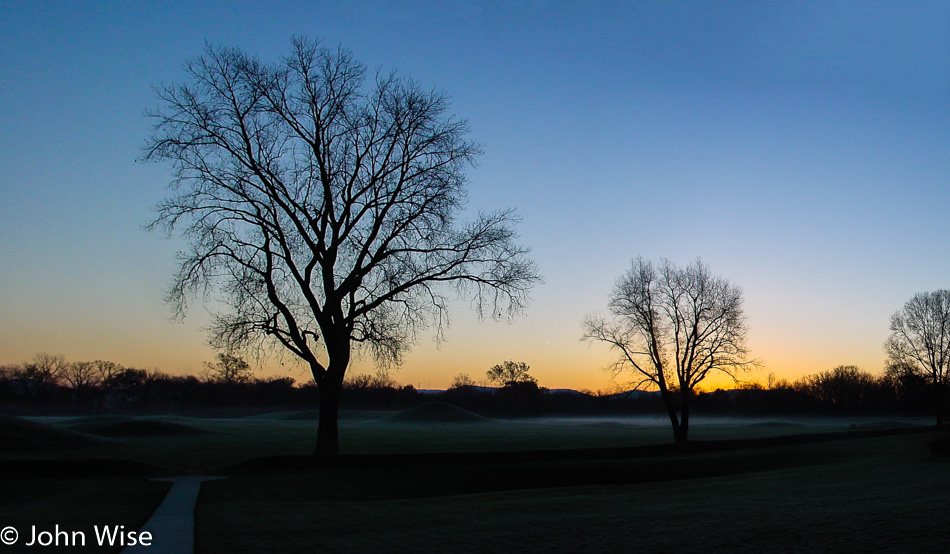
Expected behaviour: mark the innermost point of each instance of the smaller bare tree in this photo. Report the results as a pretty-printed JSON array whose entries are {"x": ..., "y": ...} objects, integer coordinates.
[
  {"x": 920, "y": 338},
  {"x": 230, "y": 370},
  {"x": 106, "y": 370},
  {"x": 45, "y": 368},
  {"x": 381, "y": 380},
  {"x": 673, "y": 327},
  {"x": 81, "y": 376},
  {"x": 844, "y": 387},
  {"x": 462, "y": 380},
  {"x": 44, "y": 372},
  {"x": 510, "y": 373}
]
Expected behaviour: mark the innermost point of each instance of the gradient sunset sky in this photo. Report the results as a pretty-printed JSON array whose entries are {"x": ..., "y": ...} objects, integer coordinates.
[{"x": 801, "y": 149}]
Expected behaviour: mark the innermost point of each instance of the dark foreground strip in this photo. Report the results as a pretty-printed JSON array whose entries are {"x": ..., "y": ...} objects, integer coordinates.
[{"x": 72, "y": 468}]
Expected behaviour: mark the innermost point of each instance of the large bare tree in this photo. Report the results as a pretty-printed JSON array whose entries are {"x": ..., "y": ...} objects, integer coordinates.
[
  {"x": 673, "y": 327},
  {"x": 920, "y": 339},
  {"x": 324, "y": 210}
]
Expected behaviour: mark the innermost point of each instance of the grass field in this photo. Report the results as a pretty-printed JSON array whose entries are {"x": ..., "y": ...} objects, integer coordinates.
[{"x": 412, "y": 482}]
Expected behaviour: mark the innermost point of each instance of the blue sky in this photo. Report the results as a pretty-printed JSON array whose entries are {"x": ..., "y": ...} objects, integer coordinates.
[{"x": 801, "y": 149}]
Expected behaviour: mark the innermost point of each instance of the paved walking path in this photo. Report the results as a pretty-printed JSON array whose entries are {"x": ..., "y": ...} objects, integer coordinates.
[{"x": 172, "y": 525}]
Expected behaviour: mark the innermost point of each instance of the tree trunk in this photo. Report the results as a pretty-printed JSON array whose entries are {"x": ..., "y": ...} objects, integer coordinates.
[
  {"x": 671, "y": 412},
  {"x": 939, "y": 394},
  {"x": 328, "y": 431},
  {"x": 684, "y": 416},
  {"x": 331, "y": 387}
]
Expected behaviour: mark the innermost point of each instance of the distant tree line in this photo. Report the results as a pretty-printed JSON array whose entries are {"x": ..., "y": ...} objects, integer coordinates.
[
  {"x": 844, "y": 390},
  {"x": 49, "y": 384}
]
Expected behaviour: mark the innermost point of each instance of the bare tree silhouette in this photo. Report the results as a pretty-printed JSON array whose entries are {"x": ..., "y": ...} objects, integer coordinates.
[
  {"x": 920, "y": 339},
  {"x": 845, "y": 387},
  {"x": 462, "y": 380},
  {"x": 229, "y": 369},
  {"x": 324, "y": 211},
  {"x": 673, "y": 327},
  {"x": 46, "y": 368},
  {"x": 82, "y": 377},
  {"x": 44, "y": 372},
  {"x": 510, "y": 374}
]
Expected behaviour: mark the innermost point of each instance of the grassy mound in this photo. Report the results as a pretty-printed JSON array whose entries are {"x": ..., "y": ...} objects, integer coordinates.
[
  {"x": 881, "y": 425},
  {"x": 136, "y": 428},
  {"x": 98, "y": 419},
  {"x": 773, "y": 424},
  {"x": 22, "y": 434},
  {"x": 306, "y": 415},
  {"x": 435, "y": 412},
  {"x": 313, "y": 415},
  {"x": 283, "y": 414}
]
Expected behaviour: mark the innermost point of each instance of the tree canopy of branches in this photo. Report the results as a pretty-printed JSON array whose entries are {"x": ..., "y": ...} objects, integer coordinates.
[
  {"x": 462, "y": 380},
  {"x": 324, "y": 211},
  {"x": 673, "y": 327},
  {"x": 920, "y": 339},
  {"x": 230, "y": 370},
  {"x": 843, "y": 387},
  {"x": 46, "y": 368},
  {"x": 381, "y": 380},
  {"x": 509, "y": 374}
]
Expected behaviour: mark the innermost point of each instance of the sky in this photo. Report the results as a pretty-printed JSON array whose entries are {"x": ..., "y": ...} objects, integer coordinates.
[{"x": 800, "y": 149}]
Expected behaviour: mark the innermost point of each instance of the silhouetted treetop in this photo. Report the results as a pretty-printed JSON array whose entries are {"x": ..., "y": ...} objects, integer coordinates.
[
  {"x": 510, "y": 373},
  {"x": 229, "y": 369}
]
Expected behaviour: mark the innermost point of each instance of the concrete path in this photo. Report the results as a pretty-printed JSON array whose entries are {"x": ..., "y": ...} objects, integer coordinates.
[{"x": 172, "y": 525}]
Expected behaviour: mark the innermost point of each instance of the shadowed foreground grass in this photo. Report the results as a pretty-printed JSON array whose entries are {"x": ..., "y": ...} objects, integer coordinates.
[
  {"x": 76, "y": 505},
  {"x": 867, "y": 493},
  {"x": 537, "y": 485}
]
